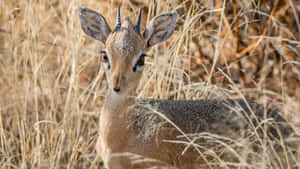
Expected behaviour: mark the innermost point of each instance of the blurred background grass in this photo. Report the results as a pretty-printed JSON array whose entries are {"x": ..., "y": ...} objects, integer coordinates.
[{"x": 52, "y": 84}]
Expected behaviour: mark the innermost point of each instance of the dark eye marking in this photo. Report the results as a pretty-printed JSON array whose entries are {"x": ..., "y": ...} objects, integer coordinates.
[
  {"x": 140, "y": 62},
  {"x": 105, "y": 58}
]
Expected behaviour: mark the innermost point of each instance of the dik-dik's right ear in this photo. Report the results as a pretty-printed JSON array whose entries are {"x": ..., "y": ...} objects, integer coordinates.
[
  {"x": 160, "y": 28},
  {"x": 93, "y": 24}
]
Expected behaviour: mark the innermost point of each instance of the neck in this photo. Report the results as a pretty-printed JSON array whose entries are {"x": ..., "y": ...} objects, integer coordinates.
[{"x": 115, "y": 120}]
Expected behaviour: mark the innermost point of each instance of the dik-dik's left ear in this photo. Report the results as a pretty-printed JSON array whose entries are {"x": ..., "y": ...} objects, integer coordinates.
[
  {"x": 93, "y": 24},
  {"x": 160, "y": 28}
]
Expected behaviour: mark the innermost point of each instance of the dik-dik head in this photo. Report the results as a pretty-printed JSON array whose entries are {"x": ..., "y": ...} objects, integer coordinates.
[{"x": 125, "y": 45}]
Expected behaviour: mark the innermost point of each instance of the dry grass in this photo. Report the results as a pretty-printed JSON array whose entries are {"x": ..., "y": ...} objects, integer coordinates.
[{"x": 52, "y": 85}]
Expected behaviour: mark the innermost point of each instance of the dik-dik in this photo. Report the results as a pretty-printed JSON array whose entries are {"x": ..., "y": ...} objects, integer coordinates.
[{"x": 182, "y": 134}]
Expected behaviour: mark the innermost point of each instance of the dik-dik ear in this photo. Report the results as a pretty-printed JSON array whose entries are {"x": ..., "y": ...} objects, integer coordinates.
[
  {"x": 93, "y": 24},
  {"x": 160, "y": 28}
]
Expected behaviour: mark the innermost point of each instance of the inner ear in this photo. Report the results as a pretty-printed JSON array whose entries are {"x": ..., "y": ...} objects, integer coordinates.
[
  {"x": 160, "y": 28},
  {"x": 93, "y": 24}
]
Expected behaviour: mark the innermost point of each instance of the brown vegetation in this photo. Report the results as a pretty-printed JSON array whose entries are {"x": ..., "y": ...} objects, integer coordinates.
[{"x": 52, "y": 84}]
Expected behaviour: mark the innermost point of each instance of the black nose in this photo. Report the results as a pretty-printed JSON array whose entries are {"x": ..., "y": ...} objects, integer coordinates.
[{"x": 117, "y": 89}]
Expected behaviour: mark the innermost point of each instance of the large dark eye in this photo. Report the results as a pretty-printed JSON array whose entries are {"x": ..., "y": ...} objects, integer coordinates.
[
  {"x": 141, "y": 60},
  {"x": 104, "y": 56},
  {"x": 139, "y": 65},
  {"x": 105, "y": 59}
]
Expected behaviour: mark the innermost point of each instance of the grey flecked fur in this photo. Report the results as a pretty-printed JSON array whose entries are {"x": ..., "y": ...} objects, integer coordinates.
[{"x": 230, "y": 118}]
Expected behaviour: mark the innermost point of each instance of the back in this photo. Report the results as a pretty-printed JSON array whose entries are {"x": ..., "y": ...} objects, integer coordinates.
[
  {"x": 219, "y": 125},
  {"x": 214, "y": 116}
]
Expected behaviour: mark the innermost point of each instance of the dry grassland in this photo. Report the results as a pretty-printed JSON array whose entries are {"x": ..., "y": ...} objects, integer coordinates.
[{"x": 52, "y": 84}]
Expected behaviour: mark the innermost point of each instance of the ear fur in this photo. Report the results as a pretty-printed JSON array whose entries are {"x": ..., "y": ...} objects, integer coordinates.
[
  {"x": 160, "y": 28},
  {"x": 93, "y": 24}
]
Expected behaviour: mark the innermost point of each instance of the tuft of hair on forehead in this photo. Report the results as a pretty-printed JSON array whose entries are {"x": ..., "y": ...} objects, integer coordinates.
[
  {"x": 126, "y": 41},
  {"x": 127, "y": 23}
]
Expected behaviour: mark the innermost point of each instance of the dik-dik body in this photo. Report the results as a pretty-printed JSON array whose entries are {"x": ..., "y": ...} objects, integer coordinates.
[{"x": 182, "y": 134}]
